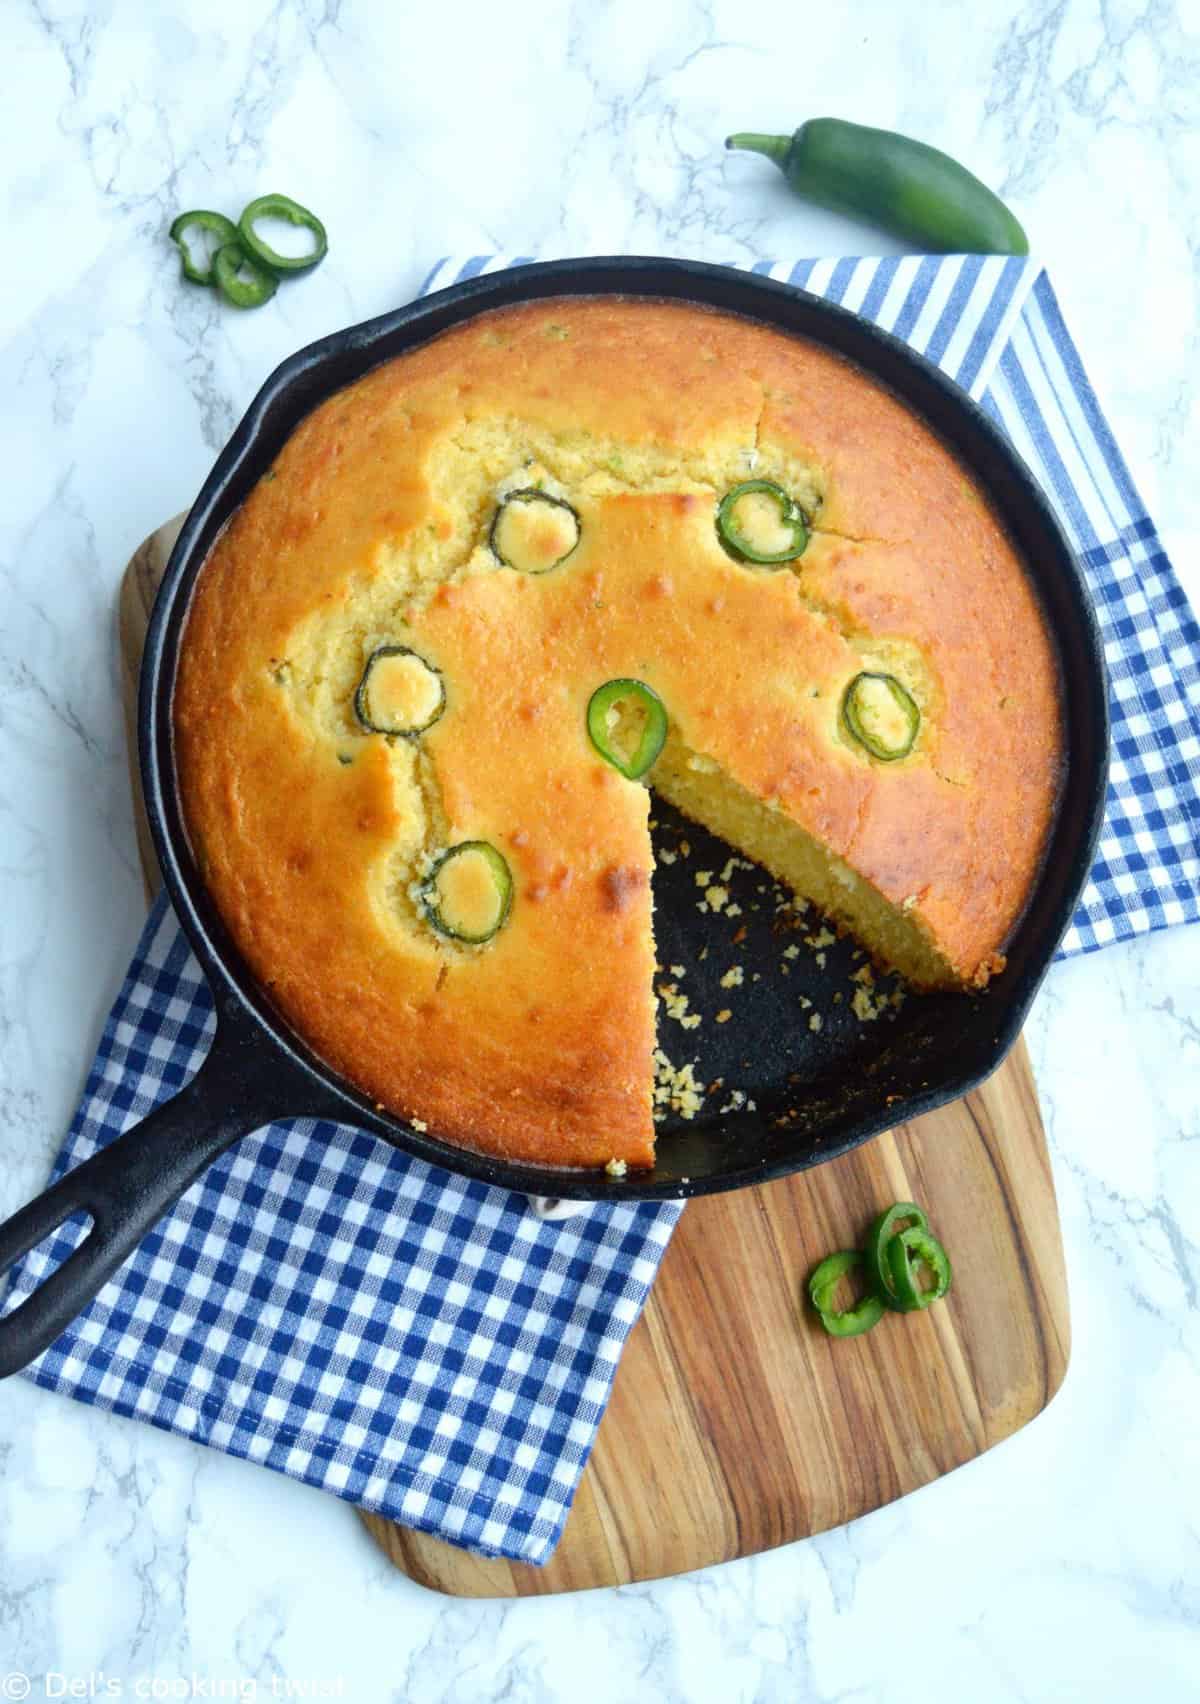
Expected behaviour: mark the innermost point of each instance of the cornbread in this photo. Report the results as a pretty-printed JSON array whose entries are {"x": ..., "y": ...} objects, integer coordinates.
[{"x": 428, "y": 853}]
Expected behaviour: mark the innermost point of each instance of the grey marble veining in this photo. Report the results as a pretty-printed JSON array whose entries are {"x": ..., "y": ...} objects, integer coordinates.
[{"x": 1065, "y": 1565}]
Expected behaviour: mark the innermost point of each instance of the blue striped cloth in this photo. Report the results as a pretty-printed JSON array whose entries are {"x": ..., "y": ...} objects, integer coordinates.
[{"x": 424, "y": 1346}]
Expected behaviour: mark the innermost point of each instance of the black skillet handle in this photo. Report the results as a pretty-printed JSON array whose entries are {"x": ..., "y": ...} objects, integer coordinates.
[{"x": 128, "y": 1186}]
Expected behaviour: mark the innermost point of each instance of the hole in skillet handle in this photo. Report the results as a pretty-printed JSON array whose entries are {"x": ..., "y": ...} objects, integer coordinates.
[{"x": 131, "y": 1183}]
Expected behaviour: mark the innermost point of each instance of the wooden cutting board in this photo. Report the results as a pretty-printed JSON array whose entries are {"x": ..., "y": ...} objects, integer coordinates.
[{"x": 735, "y": 1423}]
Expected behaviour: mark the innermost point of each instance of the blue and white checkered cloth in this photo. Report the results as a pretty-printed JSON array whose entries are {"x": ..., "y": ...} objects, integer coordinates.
[{"x": 424, "y": 1346}]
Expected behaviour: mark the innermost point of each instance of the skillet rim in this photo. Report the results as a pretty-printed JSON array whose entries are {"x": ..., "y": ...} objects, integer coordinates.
[{"x": 307, "y": 1086}]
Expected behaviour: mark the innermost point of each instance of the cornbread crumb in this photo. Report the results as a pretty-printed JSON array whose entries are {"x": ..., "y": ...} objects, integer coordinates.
[
  {"x": 419, "y": 1124},
  {"x": 715, "y": 897},
  {"x": 724, "y": 1015},
  {"x": 823, "y": 938},
  {"x": 677, "y": 1006},
  {"x": 814, "y": 1023},
  {"x": 821, "y": 957},
  {"x": 678, "y": 970},
  {"x": 703, "y": 877},
  {"x": 733, "y": 977},
  {"x": 665, "y": 857},
  {"x": 616, "y": 1168},
  {"x": 675, "y": 1088},
  {"x": 792, "y": 952}
]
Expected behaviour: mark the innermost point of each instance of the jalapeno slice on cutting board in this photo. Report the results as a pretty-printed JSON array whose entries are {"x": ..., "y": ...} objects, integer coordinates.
[
  {"x": 842, "y": 1322},
  {"x": 900, "y": 1215},
  {"x": 911, "y": 1254},
  {"x": 533, "y": 532},
  {"x": 468, "y": 893},
  {"x": 758, "y": 522},
  {"x": 881, "y": 715},
  {"x": 399, "y": 693},
  {"x": 627, "y": 724}
]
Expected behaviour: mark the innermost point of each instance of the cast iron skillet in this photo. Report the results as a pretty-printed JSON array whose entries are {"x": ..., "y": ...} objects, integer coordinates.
[{"x": 805, "y": 1095}]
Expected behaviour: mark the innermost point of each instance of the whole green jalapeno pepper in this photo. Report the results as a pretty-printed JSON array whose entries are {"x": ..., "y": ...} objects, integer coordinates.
[{"x": 912, "y": 190}]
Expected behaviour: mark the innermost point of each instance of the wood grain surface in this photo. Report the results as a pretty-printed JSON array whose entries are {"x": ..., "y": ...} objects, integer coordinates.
[{"x": 735, "y": 1423}]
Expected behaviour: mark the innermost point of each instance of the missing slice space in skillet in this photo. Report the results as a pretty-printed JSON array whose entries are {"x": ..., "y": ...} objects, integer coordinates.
[{"x": 938, "y": 1047}]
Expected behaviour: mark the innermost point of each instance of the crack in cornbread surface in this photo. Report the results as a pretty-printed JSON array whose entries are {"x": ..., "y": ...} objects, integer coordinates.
[{"x": 372, "y": 529}]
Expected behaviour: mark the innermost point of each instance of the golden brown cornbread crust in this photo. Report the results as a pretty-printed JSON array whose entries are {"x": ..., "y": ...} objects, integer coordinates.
[{"x": 372, "y": 526}]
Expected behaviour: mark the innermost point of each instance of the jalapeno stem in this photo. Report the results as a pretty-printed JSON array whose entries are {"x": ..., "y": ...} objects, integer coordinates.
[{"x": 753, "y": 141}]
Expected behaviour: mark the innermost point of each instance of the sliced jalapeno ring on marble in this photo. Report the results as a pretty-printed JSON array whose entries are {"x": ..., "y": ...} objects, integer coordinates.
[
  {"x": 878, "y": 1238},
  {"x": 627, "y": 707},
  {"x": 242, "y": 281},
  {"x": 908, "y": 1252},
  {"x": 758, "y": 522},
  {"x": 399, "y": 693},
  {"x": 222, "y": 230},
  {"x": 842, "y": 1322},
  {"x": 468, "y": 893},
  {"x": 282, "y": 207},
  {"x": 881, "y": 715},
  {"x": 532, "y": 531}
]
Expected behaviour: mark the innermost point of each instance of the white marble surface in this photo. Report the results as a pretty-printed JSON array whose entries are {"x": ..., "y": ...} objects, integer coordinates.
[{"x": 1066, "y": 1565}]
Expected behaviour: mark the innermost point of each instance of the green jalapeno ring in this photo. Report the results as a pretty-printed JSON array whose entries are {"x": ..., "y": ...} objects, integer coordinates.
[
  {"x": 878, "y": 1238},
  {"x": 790, "y": 514},
  {"x": 362, "y": 694},
  {"x": 281, "y": 207},
  {"x": 654, "y": 732},
  {"x": 842, "y": 1322},
  {"x": 854, "y": 714},
  {"x": 911, "y": 1249},
  {"x": 240, "y": 278},
  {"x": 501, "y": 877},
  {"x": 223, "y": 230},
  {"x": 531, "y": 494}
]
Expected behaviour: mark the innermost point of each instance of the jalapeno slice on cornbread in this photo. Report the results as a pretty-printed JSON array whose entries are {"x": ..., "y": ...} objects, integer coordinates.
[
  {"x": 758, "y": 522},
  {"x": 533, "y": 532},
  {"x": 881, "y": 715},
  {"x": 468, "y": 893},
  {"x": 399, "y": 693},
  {"x": 627, "y": 724}
]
